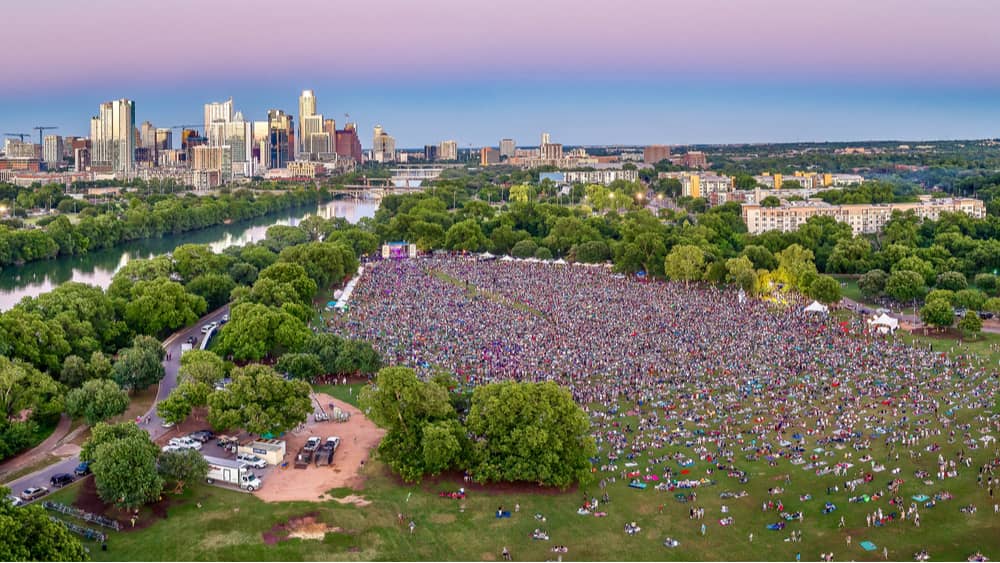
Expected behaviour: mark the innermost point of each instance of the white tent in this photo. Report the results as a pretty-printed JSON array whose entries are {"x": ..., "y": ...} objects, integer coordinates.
[
  {"x": 884, "y": 323},
  {"x": 559, "y": 261},
  {"x": 816, "y": 307},
  {"x": 487, "y": 255},
  {"x": 507, "y": 259}
]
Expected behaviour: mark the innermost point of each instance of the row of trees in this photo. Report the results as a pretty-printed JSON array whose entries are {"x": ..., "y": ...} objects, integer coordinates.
[
  {"x": 134, "y": 217},
  {"x": 530, "y": 432}
]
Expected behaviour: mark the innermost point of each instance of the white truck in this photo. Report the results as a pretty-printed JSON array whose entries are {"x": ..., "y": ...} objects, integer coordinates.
[{"x": 232, "y": 472}]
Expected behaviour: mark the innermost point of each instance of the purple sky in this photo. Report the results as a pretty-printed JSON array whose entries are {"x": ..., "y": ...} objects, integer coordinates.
[{"x": 524, "y": 58}]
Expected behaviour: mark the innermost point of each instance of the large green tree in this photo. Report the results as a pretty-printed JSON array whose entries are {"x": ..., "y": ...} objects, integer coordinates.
[
  {"x": 937, "y": 313},
  {"x": 161, "y": 305},
  {"x": 256, "y": 331},
  {"x": 125, "y": 471},
  {"x": 28, "y": 534},
  {"x": 182, "y": 467},
  {"x": 139, "y": 366},
  {"x": 824, "y": 289},
  {"x": 531, "y": 432},
  {"x": 685, "y": 263},
  {"x": 260, "y": 401},
  {"x": 97, "y": 400}
]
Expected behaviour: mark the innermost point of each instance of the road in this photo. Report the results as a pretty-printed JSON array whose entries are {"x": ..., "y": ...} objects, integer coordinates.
[{"x": 172, "y": 345}]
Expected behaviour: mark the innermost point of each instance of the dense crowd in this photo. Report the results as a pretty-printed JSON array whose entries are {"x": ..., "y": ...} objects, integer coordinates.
[{"x": 712, "y": 376}]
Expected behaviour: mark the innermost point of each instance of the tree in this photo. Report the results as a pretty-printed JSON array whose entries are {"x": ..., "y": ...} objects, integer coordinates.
[
  {"x": 444, "y": 445},
  {"x": 28, "y": 534},
  {"x": 324, "y": 262},
  {"x": 531, "y": 432},
  {"x": 543, "y": 253},
  {"x": 520, "y": 193},
  {"x": 465, "y": 235},
  {"x": 761, "y": 257},
  {"x": 283, "y": 236},
  {"x": 30, "y": 337},
  {"x": 201, "y": 366},
  {"x": 325, "y": 346},
  {"x": 872, "y": 284},
  {"x": 971, "y": 299},
  {"x": 213, "y": 288},
  {"x": 194, "y": 260},
  {"x": 74, "y": 372},
  {"x": 161, "y": 305},
  {"x": 299, "y": 366},
  {"x": 524, "y": 249},
  {"x": 104, "y": 433},
  {"x": 260, "y": 401},
  {"x": 138, "y": 367},
  {"x": 954, "y": 281},
  {"x": 590, "y": 252},
  {"x": 849, "y": 256},
  {"x": 255, "y": 331},
  {"x": 685, "y": 263},
  {"x": 798, "y": 262},
  {"x": 181, "y": 467},
  {"x": 986, "y": 282},
  {"x": 970, "y": 324},
  {"x": 992, "y": 305},
  {"x": 904, "y": 285},
  {"x": 125, "y": 472},
  {"x": 504, "y": 237},
  {"x": 918, "y": 265},
  {"x": 770, "y": 201},
  {"x": 824, "y": 289},
  {"x": 182, "y": 400},
  {"x": 740, "y": 271},
  {"x": 358, "y": 356},
  {"x": 292, "y": 276},
  {"x": 937, "y": 313},
  {"x": 96, "y": 401},
  {"x": 945, "y": 295},
  {"x": 24, "y": 388}
]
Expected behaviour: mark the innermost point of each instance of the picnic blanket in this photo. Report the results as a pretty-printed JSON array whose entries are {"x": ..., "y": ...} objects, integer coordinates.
[{"x": 868, "y": 546}]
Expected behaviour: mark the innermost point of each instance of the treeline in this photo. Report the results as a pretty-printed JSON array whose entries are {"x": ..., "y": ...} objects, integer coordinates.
[
  {"x": 80, "y": 349},
  {"x": 134, "y": 217}
]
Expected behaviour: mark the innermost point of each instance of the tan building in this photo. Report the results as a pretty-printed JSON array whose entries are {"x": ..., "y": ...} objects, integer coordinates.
[
  {"x": 303, "y": 169},
  {"x": 489, "y": 156},
  {"x": 448, "y": 150},
  {"x": 655, "y": 153},
  {"x": 863, "y": 218}
]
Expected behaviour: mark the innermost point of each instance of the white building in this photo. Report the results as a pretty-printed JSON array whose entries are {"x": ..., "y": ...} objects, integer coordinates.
[
  {"x": 604, "y": 177},
  {"x": 507, "y": 148},
  {"x": 112, "y": 137},
  {"x": 383, "y": 146},
  {"x": 52, "y": 149},
  {"x": 448, "y": 150}
]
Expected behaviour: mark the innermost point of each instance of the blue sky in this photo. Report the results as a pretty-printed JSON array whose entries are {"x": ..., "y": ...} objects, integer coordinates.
[{"x": 650, "y": 71}]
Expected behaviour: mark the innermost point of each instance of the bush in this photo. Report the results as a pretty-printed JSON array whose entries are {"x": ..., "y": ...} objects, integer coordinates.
[
  {"x": 543, "y": 253},
  {"x": 524, "y": 249}
]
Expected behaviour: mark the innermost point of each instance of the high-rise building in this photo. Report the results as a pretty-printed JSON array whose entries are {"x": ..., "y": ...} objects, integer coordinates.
[
  {"x": 383, "y": 146},
  {"x": 190, "y": 138},
  {"x": 164, "y": 139},
  {"x": 311, "y": 128},
  {"x": 546, "y": 139},
  {"x": 430, "y": 153},
  {"x": 655, "y": 153},
  {"x": 218, "y": 111},
  {"x": 147, "y": 135},
  {"x": 347, "y": 144},
  {"x": 549, "y": 150},
  {"x": 307, "y": 109},
  {"x": 489, "y": 156},
  {"x": 280, "y": 137},
  {"x": 448, "y": 150},
  {"x": 112, "y": 136},
  {"x": 507, "y": 148},
  {"x": 52, "y": 150}
]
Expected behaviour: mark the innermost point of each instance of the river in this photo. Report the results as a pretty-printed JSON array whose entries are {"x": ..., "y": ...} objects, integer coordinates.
[{"x": 97, "y": 268}]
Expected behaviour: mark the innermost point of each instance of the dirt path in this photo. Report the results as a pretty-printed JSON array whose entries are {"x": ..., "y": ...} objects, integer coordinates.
[
  {"x": 46, "y": 447},
  {"x": 357, "y": 438}
]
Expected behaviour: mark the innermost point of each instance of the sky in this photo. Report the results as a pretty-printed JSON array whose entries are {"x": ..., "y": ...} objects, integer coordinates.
[{"x": 586, "y": 71}]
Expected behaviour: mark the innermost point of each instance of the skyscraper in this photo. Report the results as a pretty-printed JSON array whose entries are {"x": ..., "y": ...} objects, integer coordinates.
[
  {"x": 280, "y": 135},
  {"x": 507, "y": 148},
  {"x": 448, "y": 150},
  {"x": 307, "y": 108},
  {"x": 383, "y": 146},
  {"x": 311, "y": 129},
  {"x": 217, "y": 111},
  {"x": 147, "y": 135},
  {"x": 347, "y": 144},
  {"x": 112, "y": 136},
  {"x": 52, "y": 150},
  {"x": 164, "y": 139}
]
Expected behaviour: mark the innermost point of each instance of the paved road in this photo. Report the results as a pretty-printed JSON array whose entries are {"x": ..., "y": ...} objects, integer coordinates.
[{"x": 172, "y": 345}]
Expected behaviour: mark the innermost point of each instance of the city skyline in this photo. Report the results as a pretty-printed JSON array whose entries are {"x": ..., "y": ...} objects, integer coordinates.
[{"x": 667, "y": 72}]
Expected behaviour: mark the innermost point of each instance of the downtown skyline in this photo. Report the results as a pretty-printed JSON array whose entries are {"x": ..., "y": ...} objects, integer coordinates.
[{"x": 658, "y": 72}]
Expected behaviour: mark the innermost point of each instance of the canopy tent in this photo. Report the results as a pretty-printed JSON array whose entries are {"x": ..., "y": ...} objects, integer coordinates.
[
  {"x": 816, "y": 307},
  {"x": 507, "y": 259},
  {"x": 884, "y": 323},
  {"x": 559, "y": 261},
  {"x": 487, "y": 255}
]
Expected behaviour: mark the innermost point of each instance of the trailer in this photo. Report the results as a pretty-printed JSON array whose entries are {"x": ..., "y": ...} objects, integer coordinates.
[
  {"x": 231, "y": 472},
  {"x": 303, "y": 458}
]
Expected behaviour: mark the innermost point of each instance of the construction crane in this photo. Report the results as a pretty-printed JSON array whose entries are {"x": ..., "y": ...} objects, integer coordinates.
[
  {"x": 40, "y": 129},
  {"x": 20, "y": 136}
]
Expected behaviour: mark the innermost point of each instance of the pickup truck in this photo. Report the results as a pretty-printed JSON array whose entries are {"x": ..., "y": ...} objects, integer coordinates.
[{"x": 187, "y": 443}]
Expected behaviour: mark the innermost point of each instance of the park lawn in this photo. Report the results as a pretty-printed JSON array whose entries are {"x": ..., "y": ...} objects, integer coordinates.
[
  {"x": 231, "y": 525},
  {"x": 347, "y": 393},
  {"x": 980, "y": 346}
]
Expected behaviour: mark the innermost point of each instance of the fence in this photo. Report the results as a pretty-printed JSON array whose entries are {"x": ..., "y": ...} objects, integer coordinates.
[
  {"x": 81, "y": 531},
  {"x": 83, "y": 515}
]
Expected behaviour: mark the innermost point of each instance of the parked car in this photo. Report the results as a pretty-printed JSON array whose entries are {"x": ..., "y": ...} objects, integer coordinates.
[
  {"x": 191, "y": 340},
  {"x": 225, "y": 319},
  {"x": 15, "y": 500},
  {"x": 31, "y": 493},
  {"x": 61, "y": 479},
  {"x": 208, "y": 327},
  {"x": 171, "y": 448},
  {"x": 82, "y": 469},
  {"x": 256, "y": 462},
  {"x": 167, "y": 424},
  {"x": 332, "y": 442},
  {"x": 985, "y": 315},
  {"x": 312, "y": 444},
  {"x": 202, "y": 435},
  {"x": 186, "y": 443}
]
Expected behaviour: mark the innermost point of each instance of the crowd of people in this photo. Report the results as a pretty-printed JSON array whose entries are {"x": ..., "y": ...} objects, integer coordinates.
[{"x": 711, "y": 376}]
